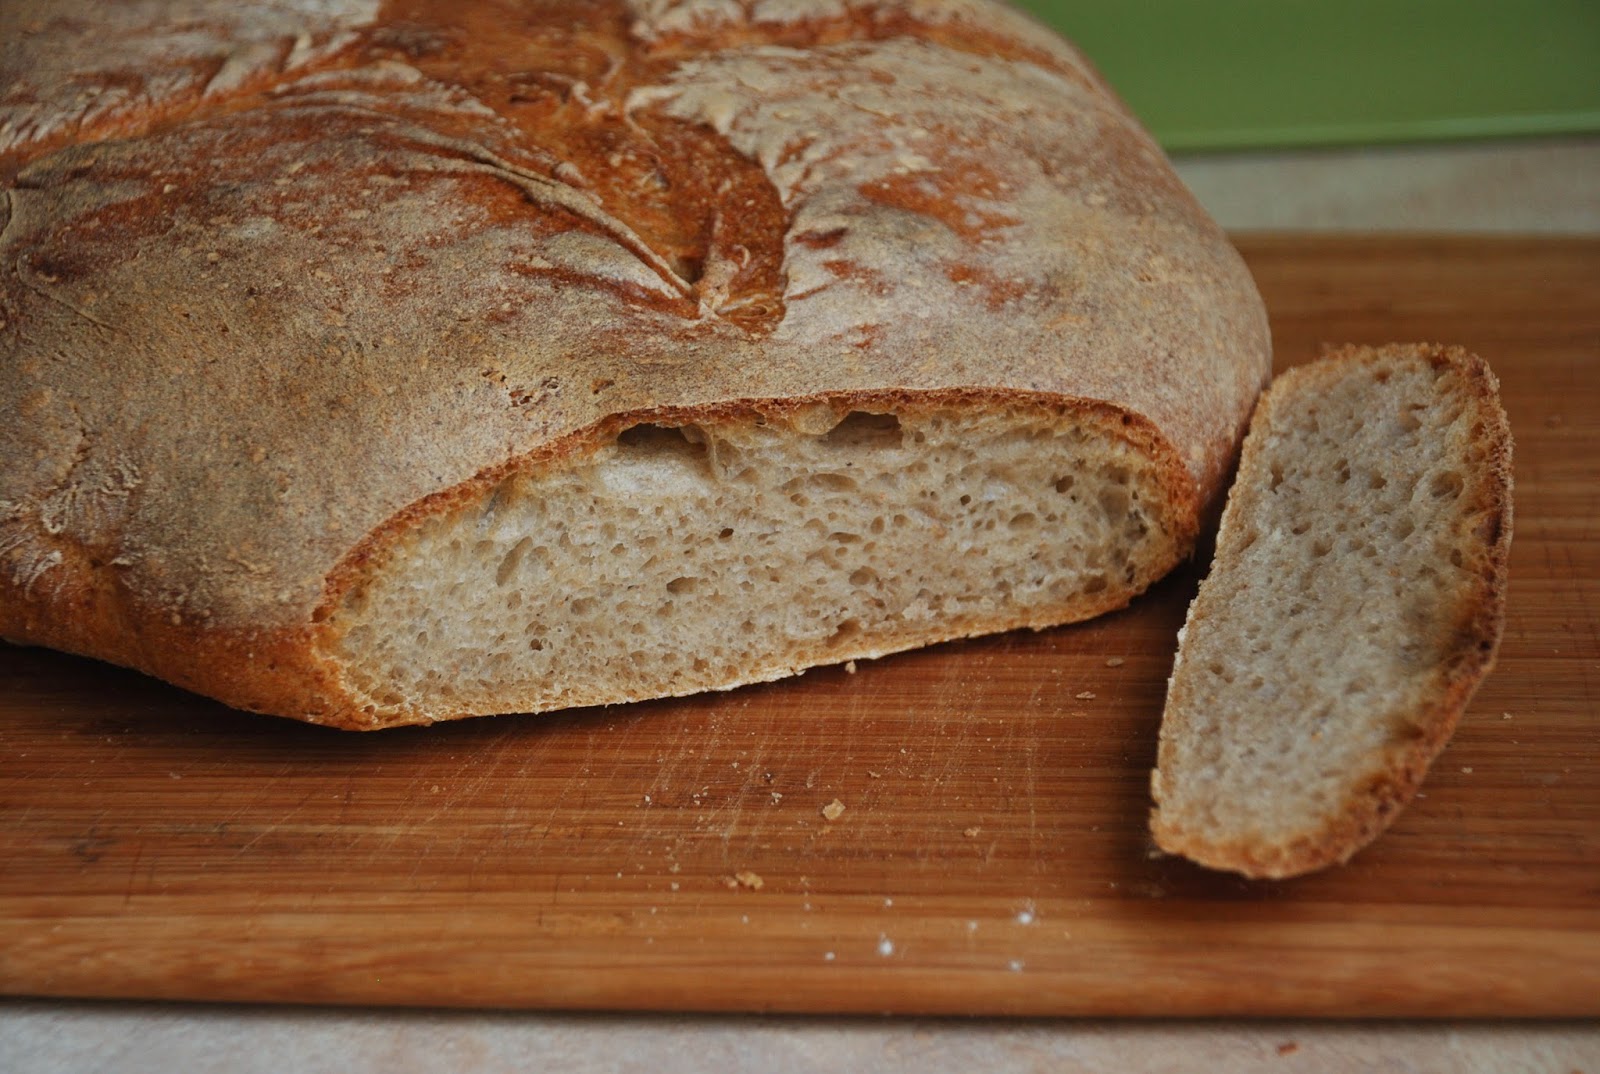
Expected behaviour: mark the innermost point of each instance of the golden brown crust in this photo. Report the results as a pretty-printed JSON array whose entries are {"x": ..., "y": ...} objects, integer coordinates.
[
  {"x": 1468, "y": 655},
  {"x": 347, "y": 261}
]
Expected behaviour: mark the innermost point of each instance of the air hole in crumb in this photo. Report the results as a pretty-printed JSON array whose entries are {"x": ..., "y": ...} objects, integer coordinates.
[
  {"x": 1320, "y": 547},
  {"x": 859, "y": 429},
  {"x": 684, "y": 584},
  {"x": 1023, "y": 520},
  {"x": 582, "y": 606},
  {"x": 727, "y": 531},
  {"x": 828, "y": 482},
  {"x": 863, "y": 576},
  {"x": 1064, "y": 484},
  {"x": 846, "y": 630},
  {"x": 1114, "y": 501},
  {"x": 510, "y": 561},
  {"x": 1446, "y": 486},
  {"x": 536, "y": 644},
  {"x": 1095, "y": 583},
  {"x": 1277, "y": 476},
  {"x": 664, "y": 441}
]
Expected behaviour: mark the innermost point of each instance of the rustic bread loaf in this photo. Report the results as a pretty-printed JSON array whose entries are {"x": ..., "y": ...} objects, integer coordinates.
[
  {"x": 379, "y": 364},
  {"x": 1354, "y": 605}
]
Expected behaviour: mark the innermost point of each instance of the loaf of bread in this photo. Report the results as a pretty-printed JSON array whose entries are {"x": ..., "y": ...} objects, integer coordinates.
[
  {"x": 374, "y": 364},
  {"x": 1354, "y": 605}
]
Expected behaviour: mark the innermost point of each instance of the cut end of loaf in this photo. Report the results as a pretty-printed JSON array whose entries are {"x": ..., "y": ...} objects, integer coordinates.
[
  {"x": 680, "y": 556},
  {"x": 1353, "y": 606}
]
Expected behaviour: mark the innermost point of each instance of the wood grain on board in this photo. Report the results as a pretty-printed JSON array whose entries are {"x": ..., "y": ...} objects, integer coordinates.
[{"x": 991, "y": 856}]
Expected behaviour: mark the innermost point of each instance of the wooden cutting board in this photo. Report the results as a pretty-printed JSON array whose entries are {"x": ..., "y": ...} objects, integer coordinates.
[{"x": 991, "y": 856}]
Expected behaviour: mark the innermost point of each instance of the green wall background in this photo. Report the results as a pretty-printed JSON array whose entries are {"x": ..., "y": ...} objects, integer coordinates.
[{"x": 1228, "y": 74}]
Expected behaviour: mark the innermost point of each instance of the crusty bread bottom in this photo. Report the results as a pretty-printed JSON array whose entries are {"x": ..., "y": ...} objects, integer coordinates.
[
  {"x": 1354, "y": 604},
  {"x": 679, "y": 557}
]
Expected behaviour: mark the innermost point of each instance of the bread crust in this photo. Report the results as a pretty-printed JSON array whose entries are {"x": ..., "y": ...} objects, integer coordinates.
[
  {"x": 332, "y": 266},
  {"x": 1378, "y": 795}
]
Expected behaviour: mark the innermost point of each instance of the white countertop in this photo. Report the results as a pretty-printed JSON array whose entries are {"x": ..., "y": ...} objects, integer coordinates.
[
  {"x": 1545, "y": 186},
  {"x": 125, "y": 1039}
]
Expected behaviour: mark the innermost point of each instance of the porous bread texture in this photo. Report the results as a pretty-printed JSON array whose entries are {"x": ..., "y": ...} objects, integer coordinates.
[
  {"x": 680, "y": 557},
  {"x": 1355, "y": 603}
]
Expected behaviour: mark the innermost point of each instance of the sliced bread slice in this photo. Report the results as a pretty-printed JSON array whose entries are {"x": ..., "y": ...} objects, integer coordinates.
[{"x": 1354, "y": 604}]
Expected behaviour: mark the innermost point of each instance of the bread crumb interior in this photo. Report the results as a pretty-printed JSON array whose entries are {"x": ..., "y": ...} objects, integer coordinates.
[
  {"x": 680, "y": 558},
  {"x": 1344, "y": 569}
]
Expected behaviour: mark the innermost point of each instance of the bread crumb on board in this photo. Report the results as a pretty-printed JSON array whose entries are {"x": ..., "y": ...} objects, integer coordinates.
[
  {"x": 1114, "y": 662},
  {"x": 972, "y": 833},
  {"x": 746, "y": 879},
  {"x": 1084, "y": 695},
  {"x": 833, "y": 810}
]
